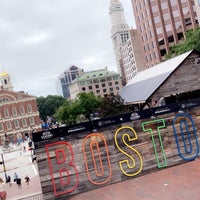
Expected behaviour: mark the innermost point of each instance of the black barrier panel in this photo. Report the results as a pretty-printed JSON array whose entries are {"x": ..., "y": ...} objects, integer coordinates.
[{"x": 109, "y": 121}]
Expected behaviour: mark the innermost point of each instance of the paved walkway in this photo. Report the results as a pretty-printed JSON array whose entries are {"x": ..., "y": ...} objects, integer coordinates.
[
  {"x": 176, "y": 183},
  {"x": 20, "y": 162},
  {"x": 14, "y": 193}
]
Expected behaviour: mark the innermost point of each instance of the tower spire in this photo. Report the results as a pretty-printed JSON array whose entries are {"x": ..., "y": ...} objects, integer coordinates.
[
  {"x": 119, "y": 29},
  {"x": 5, "y": 81}
]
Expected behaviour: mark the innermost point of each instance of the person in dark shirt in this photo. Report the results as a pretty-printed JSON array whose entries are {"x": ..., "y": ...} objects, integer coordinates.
[
  {"x": 19, "y": 183},
  {"x": 8, "y": 180},
  {"x": 27, "y": 179}
]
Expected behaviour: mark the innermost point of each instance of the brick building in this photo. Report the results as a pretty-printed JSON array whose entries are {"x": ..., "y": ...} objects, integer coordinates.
[{"x": 19, "y": 114}]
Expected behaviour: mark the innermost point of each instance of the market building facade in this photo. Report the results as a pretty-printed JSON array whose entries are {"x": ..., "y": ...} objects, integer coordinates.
[{"x": 19, "y": 115}]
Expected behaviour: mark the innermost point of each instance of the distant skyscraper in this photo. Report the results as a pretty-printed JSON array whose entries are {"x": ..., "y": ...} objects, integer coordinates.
[
  {"x": 197, "y": 4},
  {"x": 64, "y": 80},
  {"x": 132, "y": 57},
  {"x": 119, "y": 30},
  {"x": 161, "y": 24}
]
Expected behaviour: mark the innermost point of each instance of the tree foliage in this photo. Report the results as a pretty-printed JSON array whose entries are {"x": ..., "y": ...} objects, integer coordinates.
[
  {"x": 47, "y": 106},
  {"x": 84, "y": 105},
  {"x": 67, "y": 113},
  {"x": 191, "y": 41},
  {"x": 87, "y": 104},
  {"x": 111, "y": 105}
]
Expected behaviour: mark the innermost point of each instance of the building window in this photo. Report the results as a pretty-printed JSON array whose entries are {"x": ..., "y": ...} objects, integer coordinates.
[
  {"x": 96, "y": 86},
  {"x": 31, "y": 121},
  {"x": 103, "y": 80},
  {"x": 111, "y": 89},
  {"x": 83, "y": 88},
  {"x": 24, "y": 122},
  {"x": 2, "y": 100},
  {"x": 1, "y": 127},
  {"x": 89, "y": 82},
  {"x": 82, "y": 83},
  {"x": 8, "y": 125},
  {"x": 90, "y": 87},
  {"x": 6, "y": 113},
  {"x": 154, "y": 8},
  {"x": 115, "y": 77},
  {"x": 116, "y": 83},
  {"x": 98, "y": 91},
  {"x": 103, "y": 85},
  {"x": 164, "y": 5},
  {"x": 29, "y": 108},
  {"x": 16, "y": 123},
  {"x": 110, "y": 83},
  {"x": 14, "y": 111},
  {"x": 117, "y": 88},
  {"x": 104, "y": 90},
  {"x": 22, "y": 112}
]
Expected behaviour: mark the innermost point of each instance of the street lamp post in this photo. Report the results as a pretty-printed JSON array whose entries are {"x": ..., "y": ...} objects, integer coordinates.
[
  {"x": 4, "y": 167},
  {"x": 3, "y": 163},
  {"x": 30, "y": 144}
]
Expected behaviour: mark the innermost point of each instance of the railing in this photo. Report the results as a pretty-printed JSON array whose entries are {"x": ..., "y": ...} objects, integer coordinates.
[
  {"x": 34, "y": 197},
  {"x": 109, "y": 121}
]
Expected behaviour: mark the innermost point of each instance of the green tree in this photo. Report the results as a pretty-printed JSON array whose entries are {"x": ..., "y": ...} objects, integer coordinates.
[
  {"x": 84, "y": 105},
  {"x": 191, "y": 41},
  {"x": 112, "y": 105},
  {"x": 87, "y": 104},
  {"x": 48, "y": 106},
  {"x": 67, "y": 113}
]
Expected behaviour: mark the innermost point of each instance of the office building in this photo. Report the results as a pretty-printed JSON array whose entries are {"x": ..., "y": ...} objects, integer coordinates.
[
  {"x": 132, "y": 57},
  {"x": 100, "y": 82},
  {"x": 64, "y": 80},
  {"x": 162, "y": 24},
  {"x": 197, "y": 7}
]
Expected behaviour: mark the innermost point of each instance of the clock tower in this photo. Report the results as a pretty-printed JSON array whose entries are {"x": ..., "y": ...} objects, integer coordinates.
[{"x": 119, "y": 31}]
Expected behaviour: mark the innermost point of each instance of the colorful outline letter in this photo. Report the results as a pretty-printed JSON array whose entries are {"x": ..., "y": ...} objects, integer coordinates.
[
  {"x": 124, "y": 164},
  {"x": 184, "y": 134},
  {"x": 63, "y": 172},
  {"x": 92, "y": 143},
  {"x": 160, "y": 123}
]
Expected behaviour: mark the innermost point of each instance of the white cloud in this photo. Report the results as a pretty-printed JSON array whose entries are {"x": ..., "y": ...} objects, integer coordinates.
[{"x": 40, "y": 39}]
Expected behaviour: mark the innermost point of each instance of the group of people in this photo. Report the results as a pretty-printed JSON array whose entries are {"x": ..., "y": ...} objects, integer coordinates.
[{"x": 16, "y": 179}]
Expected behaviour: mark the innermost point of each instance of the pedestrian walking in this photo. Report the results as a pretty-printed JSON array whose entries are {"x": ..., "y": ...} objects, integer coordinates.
[
  {"x": 19, "y": 183},
  {"x": 15, "y": 177},
  {"x": 24, "y": 149},
  {"x": 2, "y": 190},
  {"x": 27, "y": 179},
  {"x": 8, "y": 180}
]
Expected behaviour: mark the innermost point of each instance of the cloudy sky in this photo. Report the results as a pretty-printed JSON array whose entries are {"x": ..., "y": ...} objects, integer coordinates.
[{"x": 39, "y": 39}]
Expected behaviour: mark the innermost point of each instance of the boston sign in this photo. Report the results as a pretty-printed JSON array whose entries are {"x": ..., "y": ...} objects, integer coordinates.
[{"x": 103, "y": 158}]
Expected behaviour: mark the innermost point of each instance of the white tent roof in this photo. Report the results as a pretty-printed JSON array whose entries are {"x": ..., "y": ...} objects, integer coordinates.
[{"x": 141, "y": 87}]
